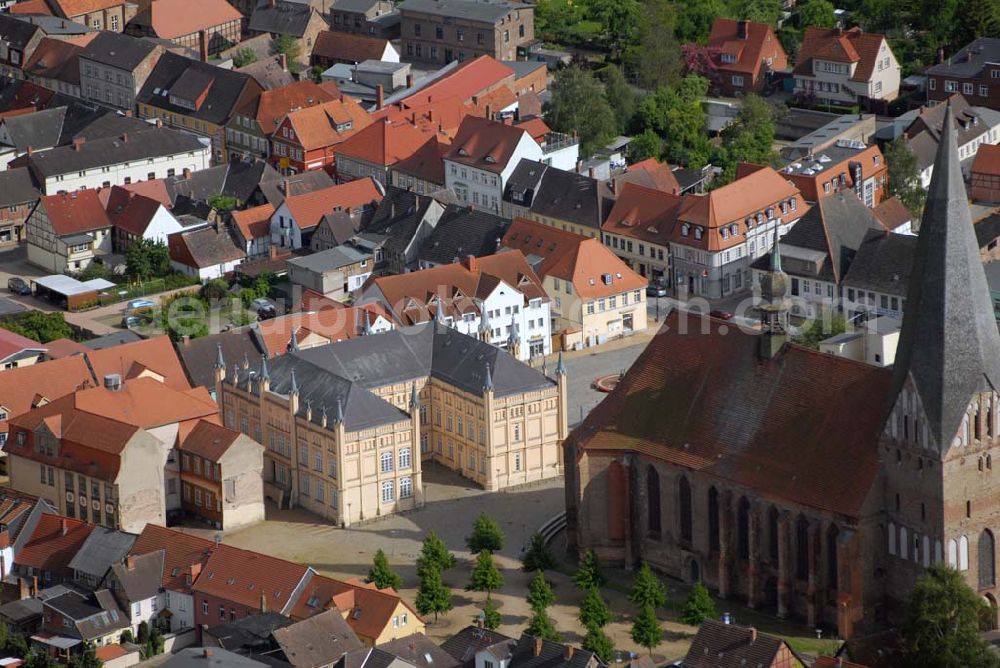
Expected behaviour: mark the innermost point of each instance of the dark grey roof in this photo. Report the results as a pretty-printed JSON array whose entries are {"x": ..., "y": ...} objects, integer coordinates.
[
  {"x": 317, "y": 641},
  {"x": 362, "y": 6},
  {"x": 209, "y": 246},
  {"x": 111, "y": 340},
  {"x": 420, "y": 651},
  {"x": 198, "y": 355},
  {"x": 969, "y": 61},
  {"x": 472, "y": 10},
  {"x": 331, "y": 258},
  {"x": 968, "y": 122},
  {"x": 17, "y": 187},
  {"x": 102, "y": 548},
  {"x": 21, "y": 611},
  {"x": 286, "y": 17},
  {"x": 883, "y": 263},
  {"x": 569, "y": 196},
  {"x": 272, "y": 185},
  {"x": 398, "y": 217},
  {"x": 268, "y": 72},
  {"x": 370, "y": 657},
  {"x": 463, "y": 231},
  {"x": 38, "y": 130},
  {"x": 988, "y": 229},
  {"x": 194, "y": 657},
  {"x": 154, "y": 142},
  {"x": 92, "y": 122},
  {"x": 140, "y": 575},
  {"x": 251, "y": 634},
  {"x": 117, "y": 50},
  {"x": 222, "y": 99},
  {"x": 464, "y": 644},
  {"x": 15, "y": 32},
  {"x": 731, "y": 645},
  {"x": 552, "y": 655},
  {"x": 524, "y": 67},
  {"x": 524, "y": 181},
  {"x": 949, "y": 345},
  {"x": 94, "y": 616},
  {"x": 55, "y": 25}
]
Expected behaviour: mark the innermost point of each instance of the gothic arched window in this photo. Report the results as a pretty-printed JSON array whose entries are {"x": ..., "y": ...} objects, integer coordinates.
[{"x": 653, "y": 502}]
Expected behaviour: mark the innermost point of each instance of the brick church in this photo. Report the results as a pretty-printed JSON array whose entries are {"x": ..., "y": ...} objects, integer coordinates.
[{"x": 800, "y": 482}]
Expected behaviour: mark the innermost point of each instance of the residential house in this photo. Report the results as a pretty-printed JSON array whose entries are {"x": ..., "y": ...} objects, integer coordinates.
[
  {"x": 985, "y": 174},
  {"x": 650, "y": 173},
  {"x": 461, "y": 232},
  {"x": 205, "y": 26},
  {"x": 473, "y": 647},
  {"x": 639, "y": 229},
  {"x": 818, "y": 251},
  {"x": 844, "y": 165},
  {"x": 299, "y": 21},
  {"x": 336, "y": 273},
  {"x": 66, "y": 232},
  {"x": 132, "y": 432},
  {"x": 189, "y": 657},
  {"x": 421, "y": 383},
  {"x": 270, "y": 72},
  {"x": 114, "y": 68},
  {"x": 482, "y": 157},
  {"x": 736, "y": 645},
  {"x": 294, "y": 221},
  {"x": 559, "y": 150},
  {"x": 717, "y": 236},
  {"x": 498, "y": 298},
  {"x": 334, "y": 47},
  {"x": 253, "y": 229},
  {"x": 972, "y": 71},
  {"x": 21, "y": 38},
  {"x": 400, "y": 224},
  {"x": 877, "y": 280},
  {"x": 360, "y": 17},
  {"x": 17, "y": 351},
  {"x": 135, "y": 581},
  {"x": 55, "y": 64},
  {"x": 274, "y": 187},
  {"x": 308, "y": 138},
  {"x": 102, "y": 548},
  {"x": 138, "y": 217},
  {"x": 249, "y": 131},
  {"x": 439, "y": 32},
  {"x": 20, "y": 515},
  {"x": 562, "y": 199},
  {"x": 44, "y": 558},
  {"x": 745, "y": 54},
  {"x": 467, "y": 82},
  {"x": 373, "y": 151},
  {"x": 320, "y": 640},
  {"x": 196, "y": 97},
  {"x": 111, "y": 15},
  {"x": 103, "y": 162},
  {"x": 530, "y": 76},
  {"x": 18, "y": 197},
  {"x": 207, "y": 252},
  {"x": 73, "y": 619},
  {"x": 594, "y": 295},
  {"x": 846, "y": 67},
  {"x": 422, "y": 172},
  {"x": 974, "y": 126},
  {"x": 895, "y": 217}
]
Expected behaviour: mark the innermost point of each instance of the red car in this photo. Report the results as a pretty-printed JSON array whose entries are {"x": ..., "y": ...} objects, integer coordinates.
[{"x": 721, "y": 315}]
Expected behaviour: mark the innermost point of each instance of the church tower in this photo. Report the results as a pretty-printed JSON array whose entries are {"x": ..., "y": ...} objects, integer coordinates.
[
  {"x": 940, "y": 497},
  {"x": 774, "y": 305}
]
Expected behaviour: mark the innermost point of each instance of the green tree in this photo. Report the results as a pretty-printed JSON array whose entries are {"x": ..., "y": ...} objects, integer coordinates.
[
  {"x": 598, "y": 642},
  {"x": 485, "y": 575},
  {"x": 818, "y": 13},
  {"x": 223, "y": 203},
  {"x": 86, "y": 658},
  {"x": 540, "y": 592},
  {"x": 620, "y": 96},
  {"x": 541, "y": 625},
  {"x": 622, "y": 21},
  {"x": 676, "y": 113},
  {"x": 143, "y": 636},
  {"x": 217, "y": 288},
  {"x": 491, "y": 615},
  {"x": 749, "y": 138},
  {"x": 823, "y": 327},
  {"x": 904, "y": 176},
  {"x": 589, "y": 575},
  {"x": 646, "y": 629},
  {"x": 695, "y": 19},
  {"x": 127, "y": 636},
  {"x": 486, "y": 535},
  {"x": 647, "y": 589},
  {"x": 977, "y": 18},
  {"x": 244, "y": 57},
  {"x": 942, "y": 625},
  {"x": 699, "y": 605},
  {"x": 147, "y": 259},
  {"x": 761, "y": 11},
  {"x": 655, "y": 58},
  {"x": 433, "y": 595},
  {"x": 17, "y": 645},
  {"x": 594, "y": 611},
  {"x": 39, "y": 326},
  {"x": 645, "y": 145},
  {"x": 538, "y": 556},
  {"x": 578, "y": 104},
  {"x": 289, "y": 46},
  {"x": 381, "y": 574},
  {"x": 39, "y": 659},
  {"x": 435, "y": 552}
]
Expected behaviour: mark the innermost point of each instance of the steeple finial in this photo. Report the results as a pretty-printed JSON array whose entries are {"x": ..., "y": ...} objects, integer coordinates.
[
  {"x": 367, "y": 329},
  {"x": 263, "y": 367},
  {"x": 220, "y": 361},
  {"x": 488, "y": 381},
  {"x": 293, "y": 341},
  {"x": 414, "y": 398},
  {"x": 338, "y": 417},
  {"x": 776, "y": 253},
  {"x": 294, "y": 385},
  {"x": 236, "y": 373},
  {"x": 560, "y": 366}
]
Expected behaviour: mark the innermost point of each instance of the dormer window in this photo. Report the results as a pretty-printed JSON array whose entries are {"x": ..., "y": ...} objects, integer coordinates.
[
  {"x": 462, "y": 152},
  {"x": 490, "y": 159},
  {"x": 749, "y": 222},
  {"x": 725, "y": 232},
  {"x": 770, "y": 214},
  {"x": 734, "y": 229},
  {"x": 697, "y": 233},
  {"x": 685, "y": 228}
]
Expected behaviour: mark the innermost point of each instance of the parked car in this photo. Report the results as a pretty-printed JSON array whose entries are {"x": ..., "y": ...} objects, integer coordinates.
[
  {"x": 138, "y": 305},
  {"x": 721, "y": 315},
  {"x": 130, "y": 321},
  {"x": 656, "y": 290},
  {"x": 18, "y": 286},
  {"x": 264, "y": 309}
]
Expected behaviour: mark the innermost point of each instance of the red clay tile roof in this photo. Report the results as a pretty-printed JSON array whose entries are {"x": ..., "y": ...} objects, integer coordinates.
[
  {"x": 11, "y": 344},
  {"x": 109, "y": 652},
  {"x": 31, "y": 7},
  {"x": 348, "y": 47},
  {"x": 802, "y": 427},
  {"x": 208, "y": 440},
  {"x": 50, "y": 548},
  {"x": 474, "y": 77},
  {"x": 573, "y": 258},
  {"x": 442, "y": 116},
  {"x": 130, "y": 212},
  {"x": 72, "y": 8},
  {"x": 316, "y": 126},
  {"x": 21, "y": 389},
  {"x": 333, "y": 324},
  {"x": 987, "y": 160},
  {"x": 892, "y": 213},
  {"x": 651, "y": 173},
  {"x": 157, "y": 354},
  {"x": 154, "y": 189},
  {"x": 58, "y": 58},
  {"x": 536, "y": 127},
  {"x": 427, "y": 163},
  {"x": 182, "y": 551},
  {"x": 385, "y": 143},
  {"x": 751, "y": 52},
  {"x": 369, "y": 610},
  {"x": 308, "y": 209},
  {"x": 644, "y": 214},
  {"x": 75, "y": 212},
  {"x": 171, "y": 19},
  {"x": 721, "y": 645},
  {"x": 484, "y": 144},
  {"x": 848, "y": 46},
  {"x": 272, "y": 105},
  {"x": 243, "y": 577},
  {"x": 254, "y": 223}
]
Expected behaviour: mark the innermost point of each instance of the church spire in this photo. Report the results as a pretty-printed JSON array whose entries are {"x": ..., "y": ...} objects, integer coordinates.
[
  {"x": 949, "y": 345},
  {"x": 774, "y": 304}
]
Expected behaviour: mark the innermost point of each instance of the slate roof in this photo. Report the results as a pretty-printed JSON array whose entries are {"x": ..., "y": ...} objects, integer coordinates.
[
  {"x": 112, "y": 340},
  {"x": 15, "y": 32},
  {"x": 118, "y": 50},
  {"x": 463, "y": 231},
  {"x": 227, "y": 92},
  {"x": 371, "y": 657},
  {"x": 286, "y": 17},
  {"x": 968, "y": 122},
  {"x": 969, "y": 61},
  {"x": 251, "y": 634},
  {"x": 198, "y": 355},
  {"x": 269, "y": 73},
  {"x": 883, "y": 263},
  {"x": 464, "y": 644},
  {"x": 273, "y": 189},
  {"x": 140, "y": 575},
  {"x": 464, "y": 9},
  {"x": 552, "y": 654},
  {"x": 94, "y": 616},
  {"x": 419, "y": 650},
  {"x": 331, "y": 258},
  {"x": 17, "y": 187},
  {"x": 204, "y": 247},
  {"x": 719, "y": 645},
  {"x": 568, "y": 196},
  {"x": 948, "y": 364},
  {"x": 102, "y": 548},
  {"x": 154, "y": 142},
  {"x": 317, "y": 641},
  {"x": 194, "y": 657},
  {"x": 40, "y": 130}
]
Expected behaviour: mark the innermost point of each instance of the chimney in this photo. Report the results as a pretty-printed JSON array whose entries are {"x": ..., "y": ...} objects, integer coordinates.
[
  {"x": 159, "y": 123},
  {"x": 379, "y": 96},
  {"x": 30, "y": 150},
  {"x": 128, "y": 113},
  {"x": 753, "y": 634},
  {"x": 489, "y": 112},
  {"x": 470, "y": 263},
  {"x": 538, "y": 646},
  {"x": 285, "y": 187},
  {"x": 63, "y": 528},
  {"x": 130, "y": 562},
  {"x": 203, "y": 45},
  {"x": 24, "y": 591},
  {"x": 567, "y": 652},
  {"x": 34, "y": 584},
  {"x": 283, "y": 61},
  {"x": 940, "y": 55},
  {"x": 409, "y": 80},
  {"x": 263, "y": 602},
  {"x": 185, "y": 340},
  {"x": 124, "y": 137},
  {"x": 840, "y": 31},
  {"x": 206, "y": 652},
  {"x": 743, "y": 29},
  {"x": 612, "y": 185},
  {"x": 186, "y": 173},
  {"x": 590, "y": 172},
  {"x": 579, "y": 166},
  {"x": 78, "y": 142}
]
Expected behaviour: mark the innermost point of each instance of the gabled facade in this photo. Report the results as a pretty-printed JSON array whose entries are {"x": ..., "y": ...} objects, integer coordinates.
[
  {"x": 846, "y": 67},
  {"x": 846, "y": 165},
  {"x": 295, "y": 219},
  {"x": 439, "y": 33},
  {"x": 307, "y": 139},
  {"x": 746, "y": 55},
  {"x": 66, "y": 231},
  {"x": 114, "y": 68},
  {"x": 972, "y": 71}
]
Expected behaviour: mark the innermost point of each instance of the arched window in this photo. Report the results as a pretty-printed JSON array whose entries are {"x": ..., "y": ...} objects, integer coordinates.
[
  {"x": 772, "y": 534},
  {"x": 953, "y": 553},
  {"x": 832, "y": 567},
  {"x": 927, "y": 552},
  {"x": 685, "y": 508},
  {"x": 386, "y": 459},
  {"x": 892, "y": 539},
  {"x": 937, "y": 552},
  {"x": 404, "y": 458},
  {"x": 743, "y": 528},
  {"x": 713, "y": 519},
  {"x": 653, "y": 502},
  {"x": 802, "y": 547},
  {"x": 987, "y": 560},
  {"x": 904, "y": 546},
  {"x": 963, "y": 553}
]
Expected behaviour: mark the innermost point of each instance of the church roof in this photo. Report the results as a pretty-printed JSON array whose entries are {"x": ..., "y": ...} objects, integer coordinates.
[{"x": 949, "y": 343}]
